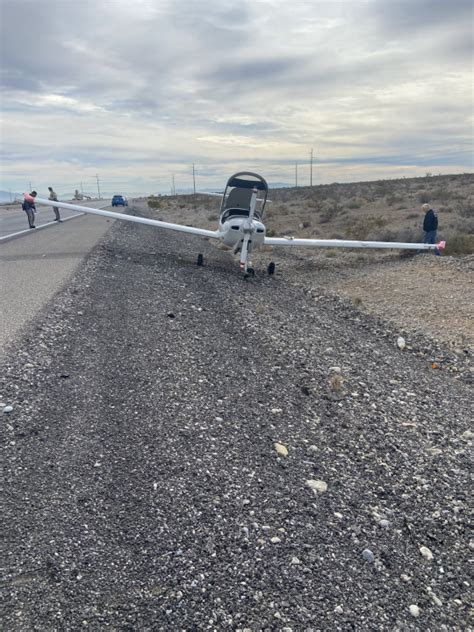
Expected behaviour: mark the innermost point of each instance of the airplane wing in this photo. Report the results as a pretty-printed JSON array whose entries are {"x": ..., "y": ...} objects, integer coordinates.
[
  {"x": 346, "y": 243},
  {"x": 213, "y": 234}
]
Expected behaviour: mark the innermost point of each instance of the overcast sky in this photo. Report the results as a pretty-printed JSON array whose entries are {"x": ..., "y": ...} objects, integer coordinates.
[{"x": 139, "y": 90}]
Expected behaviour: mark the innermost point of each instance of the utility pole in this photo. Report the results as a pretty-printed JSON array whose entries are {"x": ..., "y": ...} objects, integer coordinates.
[
  {"x": 30, "y": 186},
  {"x": 98, "y": 186},
  {"x": 173, "y": 187},
  {"x": 311, "y": 170},
  {"x": 296, "y": 174},
  {"x": 82, "y": 189},
  {"x": 194, "y": 180}
]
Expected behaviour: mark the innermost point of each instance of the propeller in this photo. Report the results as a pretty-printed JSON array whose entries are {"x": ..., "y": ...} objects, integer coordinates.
[{"x": 249, "y": 229}]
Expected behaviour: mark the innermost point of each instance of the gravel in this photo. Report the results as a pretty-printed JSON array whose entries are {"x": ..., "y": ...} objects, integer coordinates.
[{"x": 140, "y": 461}]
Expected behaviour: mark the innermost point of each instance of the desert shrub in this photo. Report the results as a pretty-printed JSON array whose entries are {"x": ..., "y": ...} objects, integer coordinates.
[
  {"x": 154, "y": 202},
  {"x": 465, "y": 208},
  {"x": 353, "y": 204},
  {"x": 464, "y": 225},
  {"x": 392, "y": 199},
  {"x": 363, "y": 226},
  {"x": 459, "y": 244},
  {"x": 413, "y": 216},
  {"x": 329, "y": 211},
  {"x": 270, "y": 232},
  {"x": 407, "y": 235},
  {"x": 423, "y": 197},
  {"x": 213, "y": 218},
  {"x": 441, "y": 194},
  {"x": 306, "y": 224},
  {"x": 383, "y": 188}
]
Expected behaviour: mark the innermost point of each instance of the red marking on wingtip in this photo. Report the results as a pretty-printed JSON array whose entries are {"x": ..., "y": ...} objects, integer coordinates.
[{"x": 441, "y": 245}]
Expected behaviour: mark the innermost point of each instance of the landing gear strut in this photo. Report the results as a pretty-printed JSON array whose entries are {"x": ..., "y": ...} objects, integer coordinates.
[{"x": 271, "y": 268}]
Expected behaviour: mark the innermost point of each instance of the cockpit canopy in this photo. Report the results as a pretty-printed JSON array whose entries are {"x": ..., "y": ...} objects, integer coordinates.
[{"x": 238, "y": 193}]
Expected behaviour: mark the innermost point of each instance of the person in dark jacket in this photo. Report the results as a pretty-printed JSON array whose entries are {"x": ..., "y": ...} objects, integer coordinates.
[
  {"x": 29, "y": 207},
  {"x": 430, "y": 226}
]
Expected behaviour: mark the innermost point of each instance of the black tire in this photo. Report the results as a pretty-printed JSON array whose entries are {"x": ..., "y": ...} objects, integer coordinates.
[
  {"x": 200, "y": 260},
  {"x": 271, "y": 268}
]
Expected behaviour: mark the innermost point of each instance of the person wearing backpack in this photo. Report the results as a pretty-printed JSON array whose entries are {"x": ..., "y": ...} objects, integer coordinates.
[
  {"x": 29, "y": 207},
  {"x": 430, "y": 226}
]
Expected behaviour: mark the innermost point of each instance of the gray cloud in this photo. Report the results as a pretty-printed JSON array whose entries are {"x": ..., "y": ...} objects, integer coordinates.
[{"x": 165, "y": 81}]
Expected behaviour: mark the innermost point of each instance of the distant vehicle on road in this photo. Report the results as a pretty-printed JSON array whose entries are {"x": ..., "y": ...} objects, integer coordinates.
[{"x": 119, "y": 200}]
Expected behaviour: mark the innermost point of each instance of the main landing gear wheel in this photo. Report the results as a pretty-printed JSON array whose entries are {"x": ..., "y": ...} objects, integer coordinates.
[
  {"x": 271, "y": 268},
  {"x": 250, "y": 273},
  {"x": 200, "y": 260}
]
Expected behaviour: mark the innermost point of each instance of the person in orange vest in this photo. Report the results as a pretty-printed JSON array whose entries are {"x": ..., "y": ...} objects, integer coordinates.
[{"x": 29, "y": 207}]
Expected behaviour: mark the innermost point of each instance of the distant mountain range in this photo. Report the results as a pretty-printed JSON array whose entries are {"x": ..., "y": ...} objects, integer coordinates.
[
  {"x": 11, "y": 196},
  {"x": 6, "y": 196}
]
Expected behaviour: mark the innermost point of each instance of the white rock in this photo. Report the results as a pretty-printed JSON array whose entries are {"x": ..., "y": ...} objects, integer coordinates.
[
  {"x": 335, "y": 369},
  {"x": 8, "y": 409},
  {"x": 401, "y": 344},
  {"x": 280, "y": 449},
  {"x": 414, "y": 611},
  {"x": 295, "y": 560},
  {"x": 436, "y": 600},
  {"x": 275, "y": 539},
  {"x": 276, "y": 411},
  {"x": 317, "y": 486},
  {"x": 426, "y": 553}
]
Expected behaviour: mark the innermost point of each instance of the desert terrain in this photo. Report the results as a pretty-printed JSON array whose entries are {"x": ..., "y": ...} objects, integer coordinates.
[
  {"x": 186, "y": 450},
  {"x": 420, "y": 294}
]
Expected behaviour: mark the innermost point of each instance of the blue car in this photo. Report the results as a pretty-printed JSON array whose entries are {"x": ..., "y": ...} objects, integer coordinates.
[{"x": 119, "y": 200}]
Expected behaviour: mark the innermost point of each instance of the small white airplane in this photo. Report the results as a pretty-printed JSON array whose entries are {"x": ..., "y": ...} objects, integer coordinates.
[{"x": 241, "y": 224}]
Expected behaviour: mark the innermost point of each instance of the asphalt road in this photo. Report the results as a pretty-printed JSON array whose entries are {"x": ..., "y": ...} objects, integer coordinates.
[
  {"x": 14, "y": 222},
  {"x": 143, "y": 487},
  {"x": 37, "y": 264}
]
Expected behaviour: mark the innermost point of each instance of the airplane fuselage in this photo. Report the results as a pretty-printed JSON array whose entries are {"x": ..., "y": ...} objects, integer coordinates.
[{"x": 234, "y": 229}]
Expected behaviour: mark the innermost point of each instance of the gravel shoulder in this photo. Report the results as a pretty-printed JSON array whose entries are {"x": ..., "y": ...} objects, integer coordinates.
[
  {"x": 143, "y": 487},
  {"x": 36, "y": 266}
]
